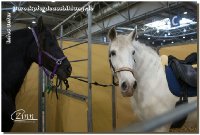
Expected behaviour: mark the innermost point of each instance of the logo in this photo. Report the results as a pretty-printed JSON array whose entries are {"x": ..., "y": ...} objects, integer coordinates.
[
  {"x": 22, "y": 116},
  {"x": 175, "y": 21}
]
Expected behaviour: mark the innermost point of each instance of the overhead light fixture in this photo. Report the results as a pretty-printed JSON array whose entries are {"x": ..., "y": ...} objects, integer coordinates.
[
  {"x": 185, "y": 13},
  {"x": 33, "y": 22},
  {"x": 126, "y": 28},
  {"x": 153, "y": 43},
  {"x": 163, "y": 40},
  {"x": 149, "y": 38},
  {"x": 168, "y": 33},
  {"x": 157, "y": 31},
  {"x": 165, "y": 24},
  {"x": 29, "y": 27},
  {"x": 53, "y": 1},
  {"x": 192, "y": 39},
  {"x": 165, "y": 35},
  {"x": 43, "y": 11},
  {"x": 14, "y": 9},
  {"x": 184, "y": 30},
  {"x": 183, "y": 36},
  {"x": 172, "y": 42}
]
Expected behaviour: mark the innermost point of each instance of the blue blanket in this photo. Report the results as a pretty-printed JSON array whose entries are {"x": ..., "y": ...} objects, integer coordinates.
[{"x": 175, "y": 87}]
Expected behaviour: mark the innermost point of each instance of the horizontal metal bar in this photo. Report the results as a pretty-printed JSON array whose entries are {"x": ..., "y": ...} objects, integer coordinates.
[
  {"x": 31, "y": 18},
  {"x": 4, "y": 9},
  {"x": 72, "y": 94},
  {"x": 152, "y": 124},
  {"x": 79, "y": 60},
  {"x": 75, "y": 45},
  {"x": 72, "y": 15}
]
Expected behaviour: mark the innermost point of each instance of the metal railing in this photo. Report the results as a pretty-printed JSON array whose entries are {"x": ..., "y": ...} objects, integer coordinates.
[{"x": 159, "y": 121}]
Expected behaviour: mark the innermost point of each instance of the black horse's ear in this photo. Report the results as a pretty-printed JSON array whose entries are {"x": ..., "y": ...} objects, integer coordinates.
[
  {"x": 112, "y": 34},
  {"x": 133, "y": 34},
  {"x": 40, "y": 24}
]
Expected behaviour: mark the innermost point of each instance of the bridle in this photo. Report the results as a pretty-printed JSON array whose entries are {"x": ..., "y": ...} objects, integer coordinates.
[
  {"x": 58, "y": 62},
  {"x": 115, "y": 71}
]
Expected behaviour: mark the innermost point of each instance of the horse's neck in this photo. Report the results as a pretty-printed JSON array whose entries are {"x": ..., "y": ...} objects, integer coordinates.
[
  {"x": 16, "y": 61},
  {"x": 147, "y": 63},
  {"x": 152, "y": 92}
]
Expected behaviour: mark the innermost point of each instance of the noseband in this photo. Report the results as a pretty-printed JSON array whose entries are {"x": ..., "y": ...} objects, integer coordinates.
[
  {"x": 58, "y": 62},
  {"x": 119, "y": 70}
]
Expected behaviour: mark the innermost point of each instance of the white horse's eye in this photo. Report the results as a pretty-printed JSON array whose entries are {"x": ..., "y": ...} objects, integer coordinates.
[
  {"x": 133, "y": 52},
  {"x": 112, "y": 53}
]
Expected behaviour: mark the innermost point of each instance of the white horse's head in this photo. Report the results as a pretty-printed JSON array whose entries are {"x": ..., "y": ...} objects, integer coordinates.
[{"x": 122, "y": 60}]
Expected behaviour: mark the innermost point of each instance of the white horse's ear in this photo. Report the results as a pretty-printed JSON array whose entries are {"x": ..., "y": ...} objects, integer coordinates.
[
  {"x": 133, "y": 34},
  {"x": 112, "y": 34}
]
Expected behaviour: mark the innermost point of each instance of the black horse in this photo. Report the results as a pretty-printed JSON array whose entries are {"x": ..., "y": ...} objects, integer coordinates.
[{"x": 17, "y": 58}]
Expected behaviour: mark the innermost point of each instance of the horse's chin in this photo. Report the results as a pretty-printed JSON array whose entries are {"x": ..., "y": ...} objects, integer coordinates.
[
  {"x": 127, "y": 93},
  {"x": 62, "y": 75}
]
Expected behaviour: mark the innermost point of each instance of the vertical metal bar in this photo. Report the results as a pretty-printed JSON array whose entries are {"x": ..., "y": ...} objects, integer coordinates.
[
  {"x": 90, "y": 124},
  {"x": 41, "y": 106},
  {"x": 39, "y": 100},
  {"x": 43, "y": 102},
  {"x": 61, "y": 45},
  {"x": 113, "y": 106}
]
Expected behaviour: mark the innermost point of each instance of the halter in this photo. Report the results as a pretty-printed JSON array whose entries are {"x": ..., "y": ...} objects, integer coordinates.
[
  {"x": 58, "y": 62},
  {"x": 119, "y": 70}
]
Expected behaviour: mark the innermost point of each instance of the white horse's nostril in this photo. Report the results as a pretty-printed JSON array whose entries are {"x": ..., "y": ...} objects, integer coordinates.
[
  {"x": 135, "y": 85},
  {"x": 124, "y": 86}
]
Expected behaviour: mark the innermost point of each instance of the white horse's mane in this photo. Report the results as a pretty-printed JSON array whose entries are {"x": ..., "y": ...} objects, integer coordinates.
[{"x": 143, "y": 47}]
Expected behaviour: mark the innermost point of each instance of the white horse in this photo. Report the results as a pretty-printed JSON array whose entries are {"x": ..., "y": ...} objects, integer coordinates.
[{"x": 141, "y": 75}]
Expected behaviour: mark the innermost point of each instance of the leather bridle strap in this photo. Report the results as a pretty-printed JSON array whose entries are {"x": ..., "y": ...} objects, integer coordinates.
[
  {"x": 124, "y": 69},
  {"x": 119, "y": 70}
]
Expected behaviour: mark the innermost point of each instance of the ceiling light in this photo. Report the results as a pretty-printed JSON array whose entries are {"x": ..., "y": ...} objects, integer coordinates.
[
  {"x": 43, "y": 11},
  {"x": 168, "y": 33},
  {"x": 163, "y": 40},
  {"x": 184, "y": 30},
  {"x": 183, "y": 36},
  {"x": 172, "y": 42},
  {"x": 33, "y": 22},
  {"x": 149, "y": 38},
  {"x": 157, "y": 31},
  {"x": 192, "y": 39},
  {"x": 125, "y": 28},
  {"x": 53, "y": 1},
  {"x": 14, "y": 9},
  {"x": 165, "y": 24},
  {"x": 152, "y": 42},
  {"x": 165, "y": 35},
  {"x": 185, "y": 13}
]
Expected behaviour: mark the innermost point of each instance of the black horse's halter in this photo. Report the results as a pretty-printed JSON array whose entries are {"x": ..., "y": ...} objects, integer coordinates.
[
  {"x": 58, "y": 62},
  {"x": 118, "y": 70}
]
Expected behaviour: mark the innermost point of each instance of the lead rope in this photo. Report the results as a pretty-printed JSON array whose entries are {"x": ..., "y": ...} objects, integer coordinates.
[
  {"x": 94, "y": 83},
  {"x": 58, "y": 82}
]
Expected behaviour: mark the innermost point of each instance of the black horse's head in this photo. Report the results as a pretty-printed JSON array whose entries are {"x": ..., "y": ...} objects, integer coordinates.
[{"x": 48, "y": 43}]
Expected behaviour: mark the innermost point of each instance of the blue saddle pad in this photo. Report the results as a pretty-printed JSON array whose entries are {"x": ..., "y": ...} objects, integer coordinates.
[{"x": 175, "y": 86}]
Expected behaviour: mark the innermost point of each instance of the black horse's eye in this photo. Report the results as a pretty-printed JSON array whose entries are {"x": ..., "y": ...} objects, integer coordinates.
[
  {"x": 133, "y": 52},
  {"x": 113, "y": 53}
]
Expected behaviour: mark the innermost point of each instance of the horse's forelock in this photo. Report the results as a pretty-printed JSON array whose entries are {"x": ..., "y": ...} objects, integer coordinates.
[{"x": 122, "y": 41}]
